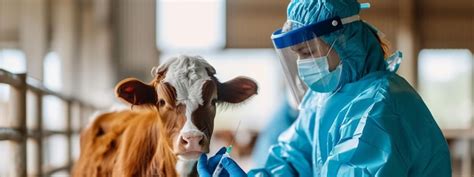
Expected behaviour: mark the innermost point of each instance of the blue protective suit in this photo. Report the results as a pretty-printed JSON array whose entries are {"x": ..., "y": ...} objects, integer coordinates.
[
  {"x": 377, "y": 126},
  {"x": 283, "y": 118},
  {"x": 374, "y": 125}
]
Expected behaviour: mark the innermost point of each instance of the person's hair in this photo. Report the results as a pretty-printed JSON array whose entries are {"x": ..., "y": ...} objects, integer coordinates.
[{"x": 385, "y": 44}]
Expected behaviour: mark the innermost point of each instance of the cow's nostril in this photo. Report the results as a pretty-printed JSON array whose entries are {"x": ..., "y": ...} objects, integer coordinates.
[
  {"x": 192, "y": 142},
  {"x": 201, "y": 142},
  {"x": 183, "y": 141}
]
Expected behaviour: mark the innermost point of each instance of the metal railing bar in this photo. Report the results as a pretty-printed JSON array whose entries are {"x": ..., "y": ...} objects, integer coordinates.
[
  {"x": 34, "y": 85},
  {"x": 34, "y": 134},
  {"x": 37, "y": 86},
  {"x": 15, "y": 135},
  {"x": 10, "y": 78},
  {"x": 10, "y": 134},
  {"x": 51, "y": 170}
]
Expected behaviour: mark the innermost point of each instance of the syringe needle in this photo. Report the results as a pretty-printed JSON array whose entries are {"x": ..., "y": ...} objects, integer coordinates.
[
  {"x": 219, "y": 167},
  {"x": 235, "y": 133}
]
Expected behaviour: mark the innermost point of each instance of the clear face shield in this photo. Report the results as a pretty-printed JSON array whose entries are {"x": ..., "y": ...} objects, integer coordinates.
[{"x": 307, "y": 60}]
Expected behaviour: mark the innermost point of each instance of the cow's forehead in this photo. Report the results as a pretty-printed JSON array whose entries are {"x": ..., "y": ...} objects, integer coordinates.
[{"x": 188, "y": 75}]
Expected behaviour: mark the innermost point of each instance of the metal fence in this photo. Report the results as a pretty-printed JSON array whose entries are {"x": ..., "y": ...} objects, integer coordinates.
[{"x": 18, "y": 133}]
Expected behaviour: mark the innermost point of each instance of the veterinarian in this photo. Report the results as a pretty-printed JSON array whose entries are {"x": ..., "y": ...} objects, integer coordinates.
[{"x": 357, "y": 117}]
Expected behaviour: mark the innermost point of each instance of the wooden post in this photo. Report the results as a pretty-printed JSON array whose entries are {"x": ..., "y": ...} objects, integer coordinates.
[
  {"x": 408, "y": 41},
  {"x": 39, "y": 131},
  {"x": 18, "y": 122},
  {"x": 69, "y": 133}
]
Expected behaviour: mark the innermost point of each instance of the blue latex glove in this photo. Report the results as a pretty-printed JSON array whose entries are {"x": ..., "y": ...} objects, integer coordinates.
[
  {"x": 231, "y": 167},
  {"x": 206, "y": 167}
]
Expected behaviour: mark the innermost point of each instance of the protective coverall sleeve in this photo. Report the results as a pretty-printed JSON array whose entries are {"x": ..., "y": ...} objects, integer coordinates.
[
  {"x": 292, "y": 155},
  {"x": 437, "y": 167},
  {"x": 432, "y": 161},
  {"x": 364, "y": 146}
]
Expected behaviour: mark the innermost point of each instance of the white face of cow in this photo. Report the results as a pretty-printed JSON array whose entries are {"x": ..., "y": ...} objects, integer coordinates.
[
  {"x": 185, "y": 93},
  {"x": 197, "y": 94}
]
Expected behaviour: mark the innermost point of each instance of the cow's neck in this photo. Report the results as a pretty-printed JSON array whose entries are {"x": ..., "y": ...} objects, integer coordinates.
[{"x": 185, "y": 167}]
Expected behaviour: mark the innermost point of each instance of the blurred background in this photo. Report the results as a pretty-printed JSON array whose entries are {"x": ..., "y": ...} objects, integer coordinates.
[{"x": 75, "y": 51}]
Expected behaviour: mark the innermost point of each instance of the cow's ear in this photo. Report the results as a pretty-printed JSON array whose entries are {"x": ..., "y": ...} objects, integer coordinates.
[
  {"x": 236, "y": 90},
  {"x": 135, "y": 92}
]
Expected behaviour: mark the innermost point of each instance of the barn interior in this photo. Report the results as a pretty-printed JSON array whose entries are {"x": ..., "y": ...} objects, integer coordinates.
[{"x": 60, "y": 61}]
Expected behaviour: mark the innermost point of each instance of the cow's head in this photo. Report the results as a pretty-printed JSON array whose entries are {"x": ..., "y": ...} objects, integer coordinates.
[{"x": 186, "y": 93}]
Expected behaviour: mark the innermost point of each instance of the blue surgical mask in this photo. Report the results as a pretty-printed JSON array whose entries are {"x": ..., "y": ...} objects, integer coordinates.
[{"x": 314, "y": 72}]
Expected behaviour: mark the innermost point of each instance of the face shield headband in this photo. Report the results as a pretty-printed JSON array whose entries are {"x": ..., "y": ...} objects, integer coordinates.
[{"x": 303, "y": 43}]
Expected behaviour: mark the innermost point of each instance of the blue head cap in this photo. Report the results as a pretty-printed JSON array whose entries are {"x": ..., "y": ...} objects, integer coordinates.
[
  {"x": 357, "y": 44},
  {"x": 313, "y": 11}
]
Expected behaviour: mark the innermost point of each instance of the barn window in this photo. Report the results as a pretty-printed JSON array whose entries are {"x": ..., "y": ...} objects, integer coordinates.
[
  {"x": 445, "y": 83},
  {"x": 14, "y": 61},
  {"x": 190, "y": 24},
  {"x": 52, "y": 71},
  {"x": 54, "y": 113}
]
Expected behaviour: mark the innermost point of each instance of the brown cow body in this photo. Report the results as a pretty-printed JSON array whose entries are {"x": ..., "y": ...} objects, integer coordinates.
[
  {"x": 125, "y": 143},
  {"x": 170, "y": 125}
]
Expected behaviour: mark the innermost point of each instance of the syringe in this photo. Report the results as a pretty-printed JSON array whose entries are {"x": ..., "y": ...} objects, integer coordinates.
[
  {"x": 219, "y": 166},
  {"x": 228, "y": 149}
]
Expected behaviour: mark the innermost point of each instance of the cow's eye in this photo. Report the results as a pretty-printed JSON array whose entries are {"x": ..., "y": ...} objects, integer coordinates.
[
  {"x": 214, "y": 101},
  {"x": 161, "y": 102}
]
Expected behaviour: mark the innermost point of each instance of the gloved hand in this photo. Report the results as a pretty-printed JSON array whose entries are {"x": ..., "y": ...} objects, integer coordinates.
[{"x": 206, "y": 167}]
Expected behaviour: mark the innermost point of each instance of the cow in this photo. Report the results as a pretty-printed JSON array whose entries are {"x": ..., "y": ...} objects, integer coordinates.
[{"x": 169, "y": 125}]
